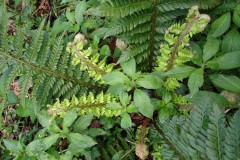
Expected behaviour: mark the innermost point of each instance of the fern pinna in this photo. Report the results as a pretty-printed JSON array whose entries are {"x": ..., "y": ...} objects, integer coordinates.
[
  {"x": 142, "y": 24},
  {"x": 204, "y": 134},
  {"x": 42, "y": 63}
]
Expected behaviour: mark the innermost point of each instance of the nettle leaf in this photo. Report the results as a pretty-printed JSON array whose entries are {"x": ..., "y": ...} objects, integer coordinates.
[
  {"x": 117, "y": 89},
  {"x": 195, "y": 81},
  {"x": 220, "y": 25},
  {"x": 79, "y": 142},
  {"x": 12, "y": 145},
  {"x": 129, "y": 67},
  {"x": 143, "y": 102},
  {"x": 231, "y": 42},
  {"x": 126, "y": 121},
  {"x": 83, "y": 122},
  {"x": 42, "y": 144},
  {"x": 105, "y": 51},
  {"x": 180, "y": 72},
  {"x": 150, "y": 82},
  {"x": 236, "y": 15},
  {"x": 69, "y": 118},
  {"x": 79, "y": 10},
  {"x": 226, "y": 61},
  {"x": 12, "y": 98},
  {"x": 210, "y": 48},
  {"x": 197, "y": 56},
  {"x": 230, "y": 83},
  {"x": 29, "y": 110},
  {"x": 114, "y": 78},
  {"x": 70, "y": 16}
]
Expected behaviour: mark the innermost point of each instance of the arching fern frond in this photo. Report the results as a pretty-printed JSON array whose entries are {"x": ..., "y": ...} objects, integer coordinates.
[
  {"x": 43, "y": 64},
  {"x": 201, "y": 135},
  {"x": 153, "y": 14}
]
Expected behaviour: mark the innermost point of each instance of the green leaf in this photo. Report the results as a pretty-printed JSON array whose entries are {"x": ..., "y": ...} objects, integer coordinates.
[
  {"x": 180, "y": 72},
  {"x": 129, "y": 67},
  {"x": 43, "y": 118},
  {"x": 83, "y": 122},
  {"x": 220, "y": 25},
  {"x": 226, "y": 61},
  {"x": 210, "y": 48},
  {"x": 70, "y": 16},
  {"x": 69, "y": 118},
  {"x": 12, "y": 145},
  {"x": 195, "y": 81},
  {"x": 150, "y": 82},
  {"x": 142, "y": 101},
  {"x": 117, "y": 89},
  {"x": 197, "y": 56},
  {"x": 79, "y": 10},
  {"x": 65, "y": 1},
  {"x": 230, "y": 83},
  {"x": 236, "y": 15},
  {"x": 126, "y": 121},
  {"x": 29, "y": 110},
  {"x": 114, "y": 78},
  {"x": 79, "y": 142},
  {"x": 2, "y": 85},
  {"x": 163, "y": 115},
  {"x": 42, "y": 144},
  {"x": 12, "y": 98},
  {"x": 231, "y": 42},
  {"x": 113, "y": 105},
  {"x": 105, "y": 51}
]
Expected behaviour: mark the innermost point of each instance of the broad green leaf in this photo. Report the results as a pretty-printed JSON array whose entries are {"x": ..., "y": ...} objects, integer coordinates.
[
  {"x": 197, "y": 56},
  {"x": 117, "y": 89},
  {"x": 143, "y": 103},
  {"x": 195, "y": 81},
  {"x": 114, "y": 78},
  {"x": 126, "y": 121},
  {"x": 113, "y": 105},
  {"x": 12, "y": 145},
  {"x": 70, "y": 16},
  {"x": 65, "y": 1},
  {"x": 124, "y": 98},
  {"x": 226, "y": 61},
  {"x": 231, "y": 42},
  {"x": 220, "y": 25},
  {"x": 79, "y": 142},
  {"x": 83, "y": 122},
  {"x": 42, "y": 144},
  {"x": 79, "y": 10},
  {"x": 230, "y": 83},
  {"x": 150, "y": 82},
  {"x": 12, "y": 98},
  {"x": 163, "y": 115},
  {"x": 129, "y": 67},
  {"x": 69, "y": 118},
  {"x": 43, "y": 118},
  {"x": 2, "y": 85},
  {"x": 105, "y": 51},
  {"x": 210, "y": 48},
  {"x": 29, "y": 110},
  {"x": 180, "y": 72},
  {"x": 236, "y": 15}
]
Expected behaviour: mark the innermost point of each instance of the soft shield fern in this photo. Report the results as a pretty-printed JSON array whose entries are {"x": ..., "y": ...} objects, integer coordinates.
[
  {"x": 142, "y": 24},
  {"x": 202, "y": 135},
  {"x": 43, "y": 64}
]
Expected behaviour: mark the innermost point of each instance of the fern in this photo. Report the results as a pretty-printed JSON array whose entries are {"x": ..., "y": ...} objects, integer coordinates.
[
  {"x": 43, "y": 63},
  {"x": 199, "y": 136},
  {"x": 145, "y": 20}
]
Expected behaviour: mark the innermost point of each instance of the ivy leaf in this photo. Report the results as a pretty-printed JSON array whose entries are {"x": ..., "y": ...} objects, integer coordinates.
[
  {"x": 69, "y": 118},
  {"x": 79, "y": 10},
  {"x": 83, "y": 122},
  {"x": 114, "y": 78},
  {"x": 79, "y": 142},
  {"x": 230, "y": 83},
  {"x": 226, "y": 61},
  {"x": 150, "y": 82},
  {"x": 42, "y": 144},
  {"x": 126, "y": 121},
  {"x": 210, "y": 48},
  {"x": 180, "y": 72},
  {"x": 231, "y": 42},
  {"x": 142, "y": 101},
  {"x": 236, "y": 15},
  {"x": 195, "y": 81},
  {"x": 220, "y": 25},
  {"x": 129, "y": 67}
]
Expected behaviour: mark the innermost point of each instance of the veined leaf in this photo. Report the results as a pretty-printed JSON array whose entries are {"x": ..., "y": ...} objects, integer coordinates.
[
  {"x": 210, "y": 48},
  {"x": 129, "y": 67},
  {"x": 114, "y": 78},
  {"x": 230, "y": 83},
  {"x": 195, "y": 81},
  {"x": 231, "y": 42},
  {"x": 83, "y": 122},
  {"x": 126, "y": 121},
  {"x": 150, "y": 82},
  {"x": 180, "y": 72}
]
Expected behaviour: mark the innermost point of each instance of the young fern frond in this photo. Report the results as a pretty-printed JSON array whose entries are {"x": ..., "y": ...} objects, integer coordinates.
[
  {"x": 87, "y": 60},
  {"x": 98, "y": 106},
  {"x": 43, "y": 64},
  {"x": 145, "y": 18}
]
